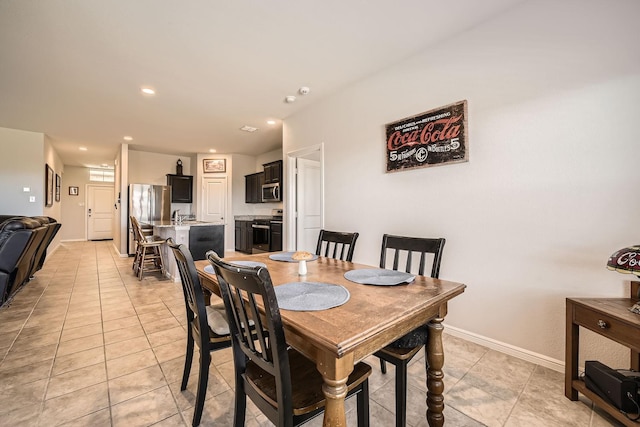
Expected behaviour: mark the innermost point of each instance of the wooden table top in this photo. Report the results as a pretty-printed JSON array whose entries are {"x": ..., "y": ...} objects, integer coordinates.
[{"x": 373, "y": 317}]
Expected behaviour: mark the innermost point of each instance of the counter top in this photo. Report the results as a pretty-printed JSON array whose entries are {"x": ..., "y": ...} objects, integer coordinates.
[
  {"x": 254, "y": 217},
  {"x": 161, "y": 224}
]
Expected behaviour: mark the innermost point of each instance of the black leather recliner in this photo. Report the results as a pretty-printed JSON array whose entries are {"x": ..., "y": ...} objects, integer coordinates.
[
  {"x": 52, "y": 229},
  {"x": 23, "y": 245}
]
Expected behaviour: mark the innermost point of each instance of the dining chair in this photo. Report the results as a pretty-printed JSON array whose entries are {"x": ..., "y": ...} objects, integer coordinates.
[
  {"x": 281, "y": 382},
  {"x": 148, "y": 255},
  {"x": 334, "y": 241},
  {"x": 207, "y": 326},
  {"x": 400, "y": 352}
]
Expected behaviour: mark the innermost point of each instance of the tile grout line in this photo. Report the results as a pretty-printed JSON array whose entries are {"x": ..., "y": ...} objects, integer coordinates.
[
  {"x": 180, "y": 412},
  {"x": 55, "y": 357}
]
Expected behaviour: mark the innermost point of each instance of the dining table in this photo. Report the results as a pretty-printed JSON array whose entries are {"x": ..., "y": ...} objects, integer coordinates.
[{"x": 372, "y": 317}]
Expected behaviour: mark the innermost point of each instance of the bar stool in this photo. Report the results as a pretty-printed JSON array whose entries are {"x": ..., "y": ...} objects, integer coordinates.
[{"x": 148, "y": 255}]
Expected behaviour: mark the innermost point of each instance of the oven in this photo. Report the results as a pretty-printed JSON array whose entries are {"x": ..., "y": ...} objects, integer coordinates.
[{"x": 261, "y": 236}]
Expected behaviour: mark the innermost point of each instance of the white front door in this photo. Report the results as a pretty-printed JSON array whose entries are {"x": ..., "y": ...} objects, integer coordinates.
[
  {"x": 100, "y": 207},
  {"x": 214, "y": 200},
  {"x": 309, "y": 203}
]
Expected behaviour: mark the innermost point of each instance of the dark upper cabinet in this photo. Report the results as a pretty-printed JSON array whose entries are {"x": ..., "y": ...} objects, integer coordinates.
[
  {"x": 253, "y": 187},
  {"x": 253, "y": 183},
  {"x": 272, "y": 172},
  {"x": 181, "y": 188}
]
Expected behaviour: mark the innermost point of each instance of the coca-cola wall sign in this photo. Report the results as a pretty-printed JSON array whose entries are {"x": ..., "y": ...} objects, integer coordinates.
[{"x": 432, "y": 138}]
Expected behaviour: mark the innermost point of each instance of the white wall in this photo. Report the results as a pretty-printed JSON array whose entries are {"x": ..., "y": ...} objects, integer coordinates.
[
  {"x": 227, "y": 174},
  {"x": 152, "y": 168},
  {"x": 553, "y": 90},
  {"x": 243, "y": 165},
  {"x": 74, "y": 210},
  {"x": 269, "y": 157},
  {"x": 52, "y": 158},
  {"x": 21, "y": 165}
]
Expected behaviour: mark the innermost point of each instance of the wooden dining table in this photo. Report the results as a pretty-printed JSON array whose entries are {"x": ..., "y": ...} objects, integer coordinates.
[{"x": 374, "y": 316}]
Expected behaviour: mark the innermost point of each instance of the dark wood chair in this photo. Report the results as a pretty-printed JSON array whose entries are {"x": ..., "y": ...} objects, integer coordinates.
[
  {"x": 283, "y": 384},
  {"x": 330, "y": 242},
  {"x": 401, "y": 351},
  {"x": 207, "y": 326},
  {"x": 148, "y": 255}
]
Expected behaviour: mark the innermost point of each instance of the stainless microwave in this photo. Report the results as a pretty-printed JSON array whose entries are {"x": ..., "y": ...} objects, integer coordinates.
[{"x": 271, "y": 192}]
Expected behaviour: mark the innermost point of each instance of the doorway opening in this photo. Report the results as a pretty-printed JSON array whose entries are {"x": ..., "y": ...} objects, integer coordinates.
[{"x": 305, "y": 201}]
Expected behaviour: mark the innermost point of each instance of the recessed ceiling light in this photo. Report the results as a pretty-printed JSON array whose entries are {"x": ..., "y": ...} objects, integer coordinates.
[
  {"x": 82, "y": 148},
  {"x": 271, "y": 122},
  {"x": 127, "y": 138},
  {"x": 148, "y": 91},
  {"x": 212, "y": 150},
  {"x": 289, "y": 99},
  {"x": 248, "y": 128}
]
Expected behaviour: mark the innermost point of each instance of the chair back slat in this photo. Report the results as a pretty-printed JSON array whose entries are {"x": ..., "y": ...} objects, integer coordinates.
[
  {"x": 330, "y": 242},
  {"x": 137, "y": 230},
  {"x": 407, "y": 246},
  {"x": 249, "y": 296},
  {"x": 193, "y": 295}
]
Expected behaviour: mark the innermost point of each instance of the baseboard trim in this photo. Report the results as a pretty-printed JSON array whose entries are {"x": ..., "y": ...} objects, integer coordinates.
[
  {"x": 520, "y": 353},
  {"x": 73, "y": 240}
]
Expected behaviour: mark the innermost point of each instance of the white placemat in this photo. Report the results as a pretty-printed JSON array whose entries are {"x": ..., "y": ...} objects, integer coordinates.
[
  {"x": 287, "y": 257},
  {"x": 310, "y": 296},
  {"x": 379, "y": 277}
]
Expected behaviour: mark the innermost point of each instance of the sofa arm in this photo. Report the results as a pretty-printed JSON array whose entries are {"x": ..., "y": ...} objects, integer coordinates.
[{"x": 12, "y": 249}]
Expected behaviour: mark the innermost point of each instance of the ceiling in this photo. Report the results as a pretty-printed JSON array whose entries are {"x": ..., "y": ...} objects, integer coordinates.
[{"x": 74, "y": 69}]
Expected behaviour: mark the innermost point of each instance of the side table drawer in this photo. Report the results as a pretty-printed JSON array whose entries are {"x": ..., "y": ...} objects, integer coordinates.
[{"x": 607, "y": 326}]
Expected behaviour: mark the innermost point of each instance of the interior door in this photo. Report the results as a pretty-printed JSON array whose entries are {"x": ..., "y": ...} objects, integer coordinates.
[
  {"x": 100, "y": 210},
  {"x": 214, "y": 200},
  {"x": 309, "y": 204}
]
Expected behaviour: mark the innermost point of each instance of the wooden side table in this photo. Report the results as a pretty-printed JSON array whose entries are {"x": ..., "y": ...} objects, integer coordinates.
[{"x": 611, "y": 318}]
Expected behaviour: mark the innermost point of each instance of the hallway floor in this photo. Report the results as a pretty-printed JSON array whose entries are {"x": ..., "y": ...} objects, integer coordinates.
[{"x": 87, "y": 344}]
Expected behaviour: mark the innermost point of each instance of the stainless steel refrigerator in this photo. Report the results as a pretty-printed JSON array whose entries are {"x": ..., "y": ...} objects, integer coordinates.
[{"x": 148, "y": 203}]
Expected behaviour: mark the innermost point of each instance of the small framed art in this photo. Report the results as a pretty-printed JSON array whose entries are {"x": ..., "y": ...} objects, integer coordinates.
[
  {"x": 214, "y": 165},
  {"x": 49, "y": 186},
  {"x": 57, "y": 188}
]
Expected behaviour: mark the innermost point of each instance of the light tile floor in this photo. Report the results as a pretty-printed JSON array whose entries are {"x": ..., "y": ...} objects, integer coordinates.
[{"x": 87, "y": 344}]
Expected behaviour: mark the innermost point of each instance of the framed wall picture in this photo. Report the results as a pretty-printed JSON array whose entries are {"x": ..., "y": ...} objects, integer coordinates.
[
  {"x": 73, "y": 191},
  {"x": 214, "y": 165},
  {"x": 435, "y": 137},
  {"x": 57, "y": 188},
  {"x": 48, "y": 200}
]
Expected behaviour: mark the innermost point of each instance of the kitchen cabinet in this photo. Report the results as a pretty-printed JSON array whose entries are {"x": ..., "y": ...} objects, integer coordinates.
[
  {"x": 610, "y": 318},
  {"x": 205, "y": 238},
  {"x": 243, "y": 236},
  {"x": 253, "y": 187},
  {"x": 199, "y": 238},
  {"x": 275, "y": 243},
  {"x": 272, "y": 172},
  {"x": 181, "y": 188}
]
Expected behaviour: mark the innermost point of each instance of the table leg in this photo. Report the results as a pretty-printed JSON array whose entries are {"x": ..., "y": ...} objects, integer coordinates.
[
  {"x": 335, "y": 373},
  {"x": 572, "y": 342},
  {"x": 434, "y": 361},
  {"x": 635, "y": 360}
]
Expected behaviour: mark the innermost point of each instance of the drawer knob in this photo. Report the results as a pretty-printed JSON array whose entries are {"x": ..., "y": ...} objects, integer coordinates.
[{"x": 602, "y": 324}]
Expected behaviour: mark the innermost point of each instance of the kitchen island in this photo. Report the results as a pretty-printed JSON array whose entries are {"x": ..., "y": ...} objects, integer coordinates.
[{"x": 198, "y": 236}]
